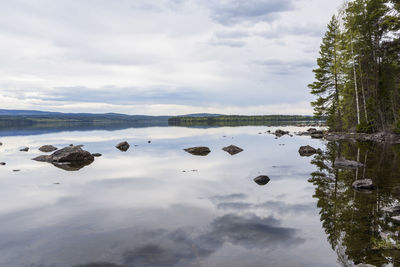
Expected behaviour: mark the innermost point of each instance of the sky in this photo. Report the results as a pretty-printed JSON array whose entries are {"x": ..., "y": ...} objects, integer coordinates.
[{"x": 161, "y": 57}]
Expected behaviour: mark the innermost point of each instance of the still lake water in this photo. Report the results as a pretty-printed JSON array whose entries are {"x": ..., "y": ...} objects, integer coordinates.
[{"x": 157, "y": 205}]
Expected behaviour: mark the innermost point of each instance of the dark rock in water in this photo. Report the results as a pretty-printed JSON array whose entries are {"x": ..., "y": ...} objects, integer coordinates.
[
  {"x": 262, "y": 180},
  {"x": 71, "y": 166},
  {"x": 1, "y": 143},
  {"x": 96, "y": 155},
  {"x": 47, "y": 148},
  {"x": 149, "y": 142},
  {"x": 25, "y": 149},
  {"x": 232, "y": 149},
  {"x": 280, "y": 133},
  {"x": 198, "y": 151},
  {"x": 123, "y": 146},
  {"x": 69, "y": 158},
  {"x": 317, "y": 135},
  {"x": 306, "y": 151},
  {"x": 16, "y": 170},
  {"x": 363, "y": 185},
  {"x": 2, "y": 163},
  {"x": 43, "y": 158},
  {"x": 312, "y": 130},
  {"x": 71, "y": 154},
  {"x": 394, "y": 210},
  {"x": 344, "y": 163}
]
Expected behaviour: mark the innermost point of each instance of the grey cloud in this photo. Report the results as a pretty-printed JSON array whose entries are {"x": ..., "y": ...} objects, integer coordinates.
[
  {"x": 229, "y": 197},
  {"x": 237, "y": 11},
  {"x": 124, "y": 95},
  {"x": 282, "y": 67},
  {"x": 227, "y": 42}
]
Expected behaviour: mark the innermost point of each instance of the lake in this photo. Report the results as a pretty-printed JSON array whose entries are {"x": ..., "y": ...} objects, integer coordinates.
[{"x": 157, "y": 205}]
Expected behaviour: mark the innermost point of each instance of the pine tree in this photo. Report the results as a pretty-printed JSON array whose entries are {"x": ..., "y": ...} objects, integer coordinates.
[{"x": 326, "y": 86}]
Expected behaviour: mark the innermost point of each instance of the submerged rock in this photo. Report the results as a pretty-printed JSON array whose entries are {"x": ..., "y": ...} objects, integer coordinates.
[
  {"x": 363, "y": 185},
  {"x": 1, "y": 143},
  {"x": 69, "y": 158},
  {"x": 123, "y": 146},
  {"x": 25, "y": 149},
  {"x": 317, "y": 135},
  {"x": 47, "y": 148},
  {"x": 2, "y": 163},
  {"x": 232, "y": 149},
  {"x": 344, "y": 163},
  {"x": 262, "y": 180},
  {"x": 198, "y": 151},
  {"x": 96, "y": 155},
  {"x": 306, "y": 151}
]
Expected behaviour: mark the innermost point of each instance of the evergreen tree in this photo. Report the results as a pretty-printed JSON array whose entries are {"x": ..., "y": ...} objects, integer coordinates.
[{"x": 326, "y": 86}]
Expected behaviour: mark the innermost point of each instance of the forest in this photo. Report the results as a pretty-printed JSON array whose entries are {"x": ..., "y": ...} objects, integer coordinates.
[{"x": 357, "y": 78}]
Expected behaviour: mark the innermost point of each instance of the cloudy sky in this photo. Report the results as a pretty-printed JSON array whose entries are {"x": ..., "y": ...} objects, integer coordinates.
[{"x": 160, "y": 57}]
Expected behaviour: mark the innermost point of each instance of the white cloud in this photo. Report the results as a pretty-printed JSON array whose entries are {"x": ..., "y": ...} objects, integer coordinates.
[{"x": 160, "y": 57}]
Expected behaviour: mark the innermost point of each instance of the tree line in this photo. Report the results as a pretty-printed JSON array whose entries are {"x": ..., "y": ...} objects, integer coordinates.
[{"x": 357, "y": 81}]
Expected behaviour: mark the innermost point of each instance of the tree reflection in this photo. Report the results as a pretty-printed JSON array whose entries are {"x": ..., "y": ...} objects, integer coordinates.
[{"x": 357, "y": 228}]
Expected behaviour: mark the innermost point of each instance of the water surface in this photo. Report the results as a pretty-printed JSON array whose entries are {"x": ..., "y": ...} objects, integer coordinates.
[{"x": 157, "y": 205}]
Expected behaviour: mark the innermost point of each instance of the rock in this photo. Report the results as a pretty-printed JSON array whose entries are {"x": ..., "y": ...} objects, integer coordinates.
[
  {"x": 1, "y": 143},
  {"x": 47, "y": 148},
  {"x": 96, "y": 155},
  {"x": 317, "y": 135},
  {"x": 70, "y": 158},
  {"x": 16, "y": 170},
  {"x": 311, "y": 130},
  {"x": 2, "y": 163},
  {"x": 344, "y": 163},
  {"x": 232, "y": 149},
  {"x": 25, "y": 149},
  {"x": 306, "y": 151},
  {"x": 394, "y": 210},
  {"x": 363, "y": 185},
  {"x": 262, "y": 180},
  {"x": 149, "y": 142},
  {"x": 123, "y": 146},
  {"x": 280, "y": 133},
  {"x": 198, "y": 151}
]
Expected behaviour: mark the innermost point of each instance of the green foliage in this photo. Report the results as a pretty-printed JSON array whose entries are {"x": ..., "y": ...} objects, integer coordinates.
[
  {"x": 366, "y": 127},
  {"x": 363, "y": 53}
]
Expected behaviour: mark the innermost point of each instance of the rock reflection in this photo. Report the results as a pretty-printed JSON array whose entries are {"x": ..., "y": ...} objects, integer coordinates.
[{"x": 357, "y": 228}]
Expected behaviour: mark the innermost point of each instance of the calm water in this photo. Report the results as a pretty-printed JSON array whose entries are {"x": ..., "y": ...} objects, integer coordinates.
[{"x": 157, "y": 205}]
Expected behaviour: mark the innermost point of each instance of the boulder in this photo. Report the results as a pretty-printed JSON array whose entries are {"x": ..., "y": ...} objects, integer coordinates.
[
  {"x": 344, "y": 163},
  {"x": 280, "y": 133},
  {"x": 363, "y": 185},
  {"x": 198, "y": 151},
  {"x": 25, "y": 149},
  {"x": 317, "y": 134},
  {"x": 306, "y": 151},
  {"x": 123, "y": 146},
  {"x": 47, "y": 148},
  {"x": 1, "y": 143},
  {"x": 262, "y": 180},
  {"x": 96, "y": 155},
  {"x": 232, "y": 149},
  {"x": 311, "y": 130},
  {"x": 69, "y": 158},
  {"x": 2, "y": 163}
]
